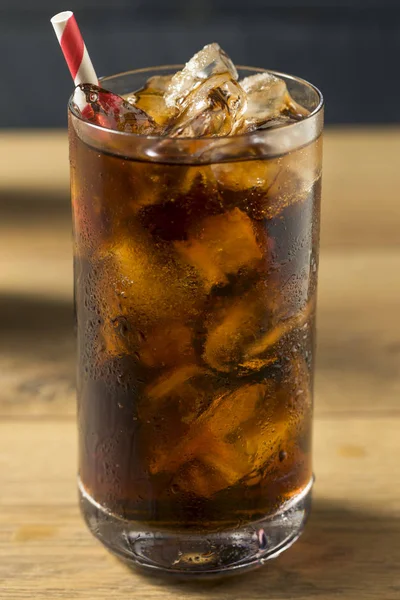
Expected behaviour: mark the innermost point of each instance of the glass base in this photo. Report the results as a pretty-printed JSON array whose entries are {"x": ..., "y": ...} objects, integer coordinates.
[{"x": 193, "y": 554}]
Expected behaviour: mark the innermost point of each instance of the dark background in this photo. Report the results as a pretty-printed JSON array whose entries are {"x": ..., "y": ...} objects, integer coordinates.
[{"x": 350, "y": 49}]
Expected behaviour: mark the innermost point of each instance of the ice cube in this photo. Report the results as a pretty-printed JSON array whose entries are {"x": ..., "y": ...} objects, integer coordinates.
[
  {"x": 210, "y": 61},
  {"x": 154, "y": 282},
  {"x": 263, "y": 188},
  {"x": 146, "y": 286},
  {"x": 113, "y": 112},
  {"x": 240, "y": 436},
  {"x": 118, "y": 336},
  {"x": 167, "y": 344},
  {"x": 156, "y": 85},
  {"x": 266, "y": 99},
  {"x": 230, "y": 441},
  {"x": 159, "y": 189},
  {"x": 211, "y": 109},
  {"x": 298, "y": 172},
  {"x": 224, "y": 415},
  {"x": 281, "y": 329},
  {"x": 244, "y": 176},
  {"x": 151, "y": 99},
  {"x": 174, "y": 402},
  {"x": 197, "y": 478},
  {"x": 232, "y": 329},
  {"x": 220, "y": 245},
  {"x": 207, "y": 96},
  {"x": 172, "y": 380},
  {"x": 297, "y": 386},
  {"x": 97, "y": 200},
  {"x": 268, "y": 103},
  {"x": 179, "y": 200}
]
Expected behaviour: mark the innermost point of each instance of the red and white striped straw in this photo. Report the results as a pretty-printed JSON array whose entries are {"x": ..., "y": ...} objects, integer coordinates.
[{"x": 73, "y": 47}]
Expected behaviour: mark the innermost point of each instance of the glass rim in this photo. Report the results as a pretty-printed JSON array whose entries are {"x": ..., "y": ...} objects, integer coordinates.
[{"x": 241, "y": 136}]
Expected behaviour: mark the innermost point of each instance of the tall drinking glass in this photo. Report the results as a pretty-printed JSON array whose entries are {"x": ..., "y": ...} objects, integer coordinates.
[{"x": 195, "y": 282}]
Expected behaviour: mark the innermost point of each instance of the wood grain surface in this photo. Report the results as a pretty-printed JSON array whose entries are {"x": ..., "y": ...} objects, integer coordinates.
[{"x": 351, "y": 547}]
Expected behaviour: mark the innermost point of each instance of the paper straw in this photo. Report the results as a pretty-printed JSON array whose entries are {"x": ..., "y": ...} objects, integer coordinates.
[{"x": 73, "y": 48}]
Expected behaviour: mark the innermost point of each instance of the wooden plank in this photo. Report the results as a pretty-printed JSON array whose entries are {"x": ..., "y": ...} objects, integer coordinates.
[
  {"x": 351, "y": 547},
  {"x": 358, "y": 366},
  {"x": 31, "y": 160},
  {"x": 36, "y": 260},
  {"x": 360, "y": 186},
  {"x": 358, "y": 351},
  {"x": 361, "y": 182},
  {"x": 38, "y": 462}
]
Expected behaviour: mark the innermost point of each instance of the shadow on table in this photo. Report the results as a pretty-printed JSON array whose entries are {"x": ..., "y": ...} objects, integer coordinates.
[
  {"x": 37, "y": 356},
  {"x": 34, "y": 205},
  {"x": 27, "y": 318},
  {"x": 341, "y": 551}
]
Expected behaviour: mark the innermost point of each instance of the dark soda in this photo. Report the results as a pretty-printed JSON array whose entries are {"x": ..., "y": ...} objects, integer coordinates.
[{"x": 195, "y": 302}]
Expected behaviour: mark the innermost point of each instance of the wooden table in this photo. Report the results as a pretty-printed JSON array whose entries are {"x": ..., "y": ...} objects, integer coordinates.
[{"x": 351, "y": 548}]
